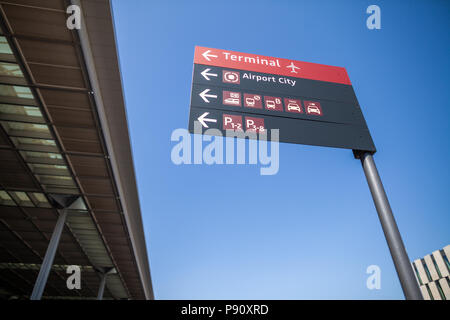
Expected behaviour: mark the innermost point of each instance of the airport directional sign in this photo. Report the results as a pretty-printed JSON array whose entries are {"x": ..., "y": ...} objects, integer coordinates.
[{"x": 309, "y": 103}]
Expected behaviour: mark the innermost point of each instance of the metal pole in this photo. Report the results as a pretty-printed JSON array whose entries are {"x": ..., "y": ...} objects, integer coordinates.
[
  {"x": 101, "y": 288},
  {"x": 396, "y": 247},
  {"x": 46, "y": 266}
]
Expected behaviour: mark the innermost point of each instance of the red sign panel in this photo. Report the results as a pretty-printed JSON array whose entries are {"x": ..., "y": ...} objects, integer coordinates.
[{"x": 264, "y": 64}]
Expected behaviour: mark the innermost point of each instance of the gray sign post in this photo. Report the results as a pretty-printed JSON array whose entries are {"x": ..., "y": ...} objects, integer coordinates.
[{"x": 394, "y": 240}]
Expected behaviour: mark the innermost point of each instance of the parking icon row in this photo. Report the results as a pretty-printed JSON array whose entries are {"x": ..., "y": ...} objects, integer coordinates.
[
  {"x": 256, "y": 101},
  {"x": 234, "y": 122}
]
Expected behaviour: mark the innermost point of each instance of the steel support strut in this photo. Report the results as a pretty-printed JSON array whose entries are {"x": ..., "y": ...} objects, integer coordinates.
[
  {"x": 46, "y": 266},
  {"x": 63, "y": 204},
  {"x": 104, "y": 272},
  {"x": 101, "y": 288},
  {"x": 402, "y": 264}
]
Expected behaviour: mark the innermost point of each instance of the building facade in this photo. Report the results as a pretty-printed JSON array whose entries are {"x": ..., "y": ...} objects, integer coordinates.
[
  {"x": 433, "y": 272},
  {"x": 68, "y": 193}
]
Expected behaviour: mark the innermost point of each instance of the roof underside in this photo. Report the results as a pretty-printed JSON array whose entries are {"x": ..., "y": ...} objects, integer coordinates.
[{"x": 54, "y": 138}]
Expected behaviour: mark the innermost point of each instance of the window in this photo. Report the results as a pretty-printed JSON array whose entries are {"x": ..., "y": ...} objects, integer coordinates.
[
  {"x": 417, "y": 273},
  {"x": 31, "y": 144},
  {"x": 23, "y": 129},
  {"x": 53, "y": 169},
  {"x": 39, "y": 199},
  {"x": 4, "y": 46},
  {"x": 44, "y": 142},
  {"x": 51, "y": 180},
  {"x": 21, "y": 198},
  {"x": 61, "y": 190},
  {"x": 10, "y": 70},
  {"x": 441, "y": 292},
  {"x": 445, "y": 259},
  {"x": 42, "y": 157},
  {"x": 436, "y": 266},
  {"x": 20, "y": 113},
  {"x": 26, "y": 199},
  {"x": 427, "y": 271},
  {"x": 5, "y": 199},
  {"x": 16, "y": 91},
  {"x": 429, "y": 292}
]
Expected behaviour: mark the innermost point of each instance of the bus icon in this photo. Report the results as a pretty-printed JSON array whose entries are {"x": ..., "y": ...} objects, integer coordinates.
[{"x": 252, "y": 101}]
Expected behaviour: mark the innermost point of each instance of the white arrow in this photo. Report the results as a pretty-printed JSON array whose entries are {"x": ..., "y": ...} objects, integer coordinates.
[
  {"x": 203, "y": 119},
  {"x": 205, "y": 74},
  {"x": 207, "y": 56},
  {"x": 204, "y": 95}
]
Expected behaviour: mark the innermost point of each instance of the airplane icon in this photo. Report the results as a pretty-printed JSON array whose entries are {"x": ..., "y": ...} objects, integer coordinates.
[{"x": 293, "y": 66}]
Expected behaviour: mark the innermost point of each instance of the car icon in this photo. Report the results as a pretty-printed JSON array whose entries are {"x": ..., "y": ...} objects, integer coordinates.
[
  {"x": 314, "y": 109},
  {"x": 270, "y": 104},
  {"x": 293, "y": 106}
]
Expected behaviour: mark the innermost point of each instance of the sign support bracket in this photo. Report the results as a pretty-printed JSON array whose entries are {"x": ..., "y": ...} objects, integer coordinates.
[{"x": 394, "y": 240}]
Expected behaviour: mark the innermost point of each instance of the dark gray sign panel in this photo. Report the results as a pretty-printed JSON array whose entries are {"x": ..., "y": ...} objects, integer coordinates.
[{"x": 309, "y": 104}]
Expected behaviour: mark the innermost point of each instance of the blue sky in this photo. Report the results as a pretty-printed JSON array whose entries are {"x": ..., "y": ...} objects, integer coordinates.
[{"x": 309, "y": 232}]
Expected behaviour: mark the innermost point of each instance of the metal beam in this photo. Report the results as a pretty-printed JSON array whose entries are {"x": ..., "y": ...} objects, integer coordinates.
[
  {"x": 41, "y": 280},
  {"x": 63, "y": 203},
  {"x": 103, "y": 274},
  {"x": 101, "y": 288}
]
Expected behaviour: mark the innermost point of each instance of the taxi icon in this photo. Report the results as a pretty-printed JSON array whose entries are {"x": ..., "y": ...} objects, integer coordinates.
[
  {"x": 314, "y": 109},
  {"x": 293, "y": 106}
]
